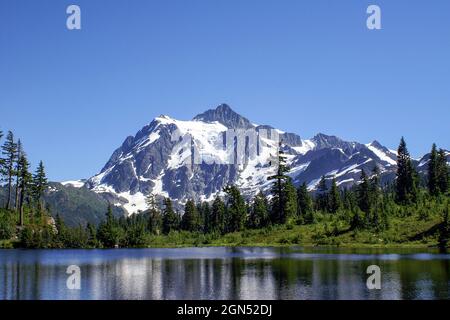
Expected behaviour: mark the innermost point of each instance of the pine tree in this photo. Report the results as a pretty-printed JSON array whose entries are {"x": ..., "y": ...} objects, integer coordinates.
[
  {"x": 259, "y": 215},
  {"x": 40, "y": 184},
  {"x": 406, "y": 183},
  {"x": 443, "y": 172},
  {"x": 191, "y": 218},
  {"x": 9, "y": 150},
  {"x": 290, "y": 208},
  {"x": 278, "y": 196},
  {"x": 433, "y": 172},
  {"x": 170, "y": 218},
  {"x": 334, "y": 198},
  {"x": 24, "y": 184},
  {"x": 17, "y": 171},
  {"x": 205, "y": 216},
  {"x": 154, "y": 217},
  {"x": 217, "y": 218},
  {"x": 305, "y": 204},
  {"x": 236, "y": 209},
  {"x": 444, "y": 230},
  {"x": 322, "y": 195},
  {"x": 364, "y": 193}
]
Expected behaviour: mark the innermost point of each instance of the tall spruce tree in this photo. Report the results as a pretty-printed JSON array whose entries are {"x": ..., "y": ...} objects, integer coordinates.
[
  {"x": 40, "y": 184},
  {"x": 17, "y": 171},
  {"x": 154, "y": 224},
  {"x": 170, "y": 218},
  {"x": 433, "y": 172},
  {"x": 259, "y": 215},
  {"x": 191, "y": 218},
  {"x": 24, "y": 184},
  {"x": 322, "y": 195},
  {"x": 443, "y": 172},
  {"x": 334, "y": 197},
  {"x": 406, "y": 183},
  {"x": 217, "y": 218},
  {"x": 305, "y": 204},
  {"x": 290, "y": 207},
  {"x": 278, "y": 195},
  {"x": 9, "y": 150},
  {"x": 364, "y": 193},
  {"x": 236, "y": 209}
]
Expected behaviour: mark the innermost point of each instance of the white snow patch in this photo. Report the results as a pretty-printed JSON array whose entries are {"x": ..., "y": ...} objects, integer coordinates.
[
  {"x": 381, "y": 154},
  {"x": 74, "y": 183}
]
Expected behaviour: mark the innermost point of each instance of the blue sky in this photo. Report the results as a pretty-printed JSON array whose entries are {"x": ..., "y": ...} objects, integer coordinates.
[{"x": 301, "y": 66}]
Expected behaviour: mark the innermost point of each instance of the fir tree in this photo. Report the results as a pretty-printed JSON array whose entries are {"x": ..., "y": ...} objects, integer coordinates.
[
  {"x": 334, "y": 198},
  {"x": 322, "y": 195},
  {"x": 305, "y": 204},
  {"x": 17, "y": 171},
  {"x": 236, "y": 209},
  {"x": 364, "y": 193},
  {"x": 205, "y": 215},
  {"x": 433, "y": 172},
  {"x": 290, "y": 208},
  {"x": 217, "y": 218},
  {"x": 278, "y": 195},
  {"x": 444, "y": 230},
  {"x": 109, "y": 232},
  {"x": 259, "y": 216},
  {"x": 40, "y": 184},
  {"x": 443, "y": 172},
  {"x": 170, "y": 218},
  {"x": 191, "y": 218},
  {"x": 9, "y": 150},
  {"x": 154, "y": 216},
  {"x": 24, "y": 184},
  {"x": 406, "y": 183}
]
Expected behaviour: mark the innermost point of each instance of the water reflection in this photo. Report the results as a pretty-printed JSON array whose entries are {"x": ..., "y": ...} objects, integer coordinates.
[{"x": 222, "y": 273}]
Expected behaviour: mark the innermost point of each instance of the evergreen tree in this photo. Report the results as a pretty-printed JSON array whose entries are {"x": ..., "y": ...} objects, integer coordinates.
[
  {"x": 305, "y": 204},
  {"x": 109, "y": 232},
  {"x": 433, "y": 172},
  {"x": 191, "y": 218},
  {"x": 259, "y": 215},
  {"x": 205, "y": 215},
  {"x": 444, "y": 230},
  {"x": 236, "y": 209},
  {"x": 92, "y": 235},
  {"x": 217, "y": 218},
  {"x": 334, "y": 198},
  {"x": 364, "y": 193},
  {"x": 154, "y": 216},
  {"x": 278, "y": 196},
  {"x": 17, "y": 171},
  {"x": 322, "y": 195},
  {"x": 170, "y": 218},
  {"x": 406, "y": 183},
  {"x": 24, "y": 184},
  {"x": 290, "y": 202},
  {"x": 40, "y": 184},
  {"x": 443, "y": 172},
  {"x": 9, "y": 150}
]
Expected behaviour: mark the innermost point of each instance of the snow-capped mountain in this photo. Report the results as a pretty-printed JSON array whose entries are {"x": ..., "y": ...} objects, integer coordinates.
[{"x": 198, "y": 158}]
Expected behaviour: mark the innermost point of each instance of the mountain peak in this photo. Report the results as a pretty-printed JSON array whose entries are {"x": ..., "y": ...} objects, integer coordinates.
[{"x": 225, "y": 115}]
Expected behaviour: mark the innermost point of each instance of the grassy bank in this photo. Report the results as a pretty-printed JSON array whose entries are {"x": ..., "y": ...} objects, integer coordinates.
[{"x": 405, "y": 232}]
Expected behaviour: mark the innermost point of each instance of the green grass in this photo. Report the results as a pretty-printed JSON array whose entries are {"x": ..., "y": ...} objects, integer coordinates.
[{"x": 404, "y": 232}]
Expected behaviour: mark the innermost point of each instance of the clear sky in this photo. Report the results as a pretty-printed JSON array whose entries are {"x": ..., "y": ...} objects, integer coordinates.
[{"x": 302, "y": 66}]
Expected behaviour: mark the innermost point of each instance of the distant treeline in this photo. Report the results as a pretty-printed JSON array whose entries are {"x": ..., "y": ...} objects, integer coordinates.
[{"x": 365, "y": 206}]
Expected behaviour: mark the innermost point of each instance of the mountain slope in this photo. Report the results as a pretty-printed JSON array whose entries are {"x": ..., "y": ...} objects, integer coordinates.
[{"x": 198, "y": 158}]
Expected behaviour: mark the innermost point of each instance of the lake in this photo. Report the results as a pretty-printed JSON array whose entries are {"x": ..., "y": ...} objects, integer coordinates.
[{"x": 224, "y": 273}]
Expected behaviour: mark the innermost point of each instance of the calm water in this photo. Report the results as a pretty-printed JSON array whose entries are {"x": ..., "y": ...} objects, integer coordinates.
[{"x": 223, "y": 273}]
